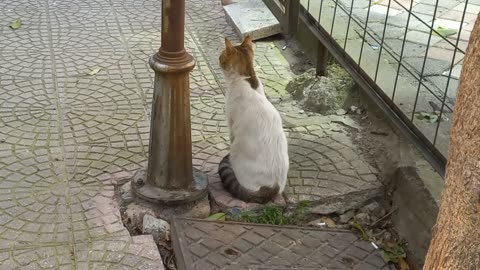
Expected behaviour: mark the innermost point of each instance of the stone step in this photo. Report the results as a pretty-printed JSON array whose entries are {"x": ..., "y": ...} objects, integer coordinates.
[
  {"x": 201, "y": 245},
  {"x": 252, "y": 18}
]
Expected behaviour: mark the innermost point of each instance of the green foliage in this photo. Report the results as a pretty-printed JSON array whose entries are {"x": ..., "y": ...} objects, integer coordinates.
[
  {"x": 275, "y": 215},
  {"x": 216, "y": 216},
  {"x": 393, "y": 252}
]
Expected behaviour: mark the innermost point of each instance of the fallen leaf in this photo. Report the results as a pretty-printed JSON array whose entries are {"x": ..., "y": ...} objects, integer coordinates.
[
  {"x": 445, "y": 32},
  {"x": 360, "y": 229},
  {"x": 393, "y": 252},
  {"x": 94, "y": 71},
  {"x": 402, "y": 264},
  {"x": 16, "y": 24},
  {"x": 217, "y": 216},
  {"x": 330, "y": 223}
]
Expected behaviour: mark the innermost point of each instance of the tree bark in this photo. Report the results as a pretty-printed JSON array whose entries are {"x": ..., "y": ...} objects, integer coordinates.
[{"x": 456, "y": 236}]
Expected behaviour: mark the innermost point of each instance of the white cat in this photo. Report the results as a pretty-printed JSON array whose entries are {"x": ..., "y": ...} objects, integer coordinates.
[{"x": 256, "y": 168}]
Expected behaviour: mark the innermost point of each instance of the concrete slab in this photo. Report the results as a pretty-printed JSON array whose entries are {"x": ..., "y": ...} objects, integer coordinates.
[
  {"x": 252, "y": 18},
  {"x": 200, "y": 245}
]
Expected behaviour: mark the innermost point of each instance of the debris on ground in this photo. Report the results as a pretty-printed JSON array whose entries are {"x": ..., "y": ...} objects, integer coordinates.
[
  {"x": 158, "y": 228},
  {"x": 15, "y": 24},
  {"x": 322, "y": 94}
]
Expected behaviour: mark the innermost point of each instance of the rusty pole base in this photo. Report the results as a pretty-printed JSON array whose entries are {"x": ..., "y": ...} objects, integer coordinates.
[
  {"x": 170, "y": 178},
  {"x": 148, "y": 192}
]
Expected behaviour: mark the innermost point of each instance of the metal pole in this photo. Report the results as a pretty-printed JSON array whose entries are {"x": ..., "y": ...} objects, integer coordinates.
[{"x": 170, "y": 178}]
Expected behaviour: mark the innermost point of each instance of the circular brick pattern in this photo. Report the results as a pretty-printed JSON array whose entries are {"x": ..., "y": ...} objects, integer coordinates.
[
  {"x": 32, "y": 13},
  {"x": 78, "y": 51},
  {"x": 208, "y": 152},
  {"x": 28, "y": 113},
  {"x": 145, "y": 9},
  {"x": 208, "y": 116},
  {"x": 72, "y": 13},
  {"x": 148, "y": 42},
  {"x": 320, "y": 167},
  {"x": 25, "y": 53},
  {"x": 93, "y": 174},
  {"x": 96, "y": 110},
  {"x": 323, "y": 167},
  {"x": 33, "y": 198}
]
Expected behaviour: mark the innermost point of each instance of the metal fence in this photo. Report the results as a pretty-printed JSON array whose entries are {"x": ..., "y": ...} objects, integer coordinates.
[{"x": 406, "y": 54}]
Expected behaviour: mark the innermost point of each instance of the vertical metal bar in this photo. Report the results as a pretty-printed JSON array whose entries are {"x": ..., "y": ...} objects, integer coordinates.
[
  {"x": 333, "y": 19},
  {"x": 402, "y": 50},
  {"x": 383, "y": 38},
  {"x": 322, "y": 60},
  {"x": 364, "y": 33},
  {"x": 450, "y": 74},
  {"x": 291, "y": 14},
  {"x": 320, "y": 12},
  {"x": 348, "y": 25},
  {"x": 424, "y": 61}
]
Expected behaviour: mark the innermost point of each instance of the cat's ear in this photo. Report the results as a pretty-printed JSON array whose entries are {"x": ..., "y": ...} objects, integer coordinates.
[
  {"x": 229, "y": 46},
  {"x": 247, "y": 42}
]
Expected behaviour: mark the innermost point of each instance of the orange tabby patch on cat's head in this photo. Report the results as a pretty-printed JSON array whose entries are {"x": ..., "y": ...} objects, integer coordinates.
[{"x": 239, "y": 59}]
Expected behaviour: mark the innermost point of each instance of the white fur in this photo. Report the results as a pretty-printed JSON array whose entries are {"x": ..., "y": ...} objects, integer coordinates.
[{"x": 259, "y": 149}]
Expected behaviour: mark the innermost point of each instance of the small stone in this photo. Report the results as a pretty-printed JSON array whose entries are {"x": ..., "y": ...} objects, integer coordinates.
[
  {"x": 343, "y": 226},
  {"x": 340, "y": 112},
  {"x": 135, "y": 213},
  {"x": 200, "y": 210},
  {"x": 301, "y": 111},
  {"x": 126, "y": 192},
  {"x": 373, "y": 208},
  {"x": 363, "y": 218},
  {"x": 387, "y": 237},
  {"x": 347, "y": 216},
  {"x": 158, "y": 228}
]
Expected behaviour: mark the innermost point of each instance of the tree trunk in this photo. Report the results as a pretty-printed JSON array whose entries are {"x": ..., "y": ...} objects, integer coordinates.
[{"x": 456, "y": 235}]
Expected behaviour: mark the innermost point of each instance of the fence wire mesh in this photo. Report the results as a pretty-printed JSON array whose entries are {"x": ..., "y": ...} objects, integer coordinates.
[{"x": 412, "y": 49}]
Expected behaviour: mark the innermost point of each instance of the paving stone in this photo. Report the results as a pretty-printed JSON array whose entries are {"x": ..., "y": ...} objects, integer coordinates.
[
  {"x": 224, "y": 245},
  {"x": 67, "y": 139},
  {"x": 252, "y": 18},
  {"x": 138, "y": 252}
]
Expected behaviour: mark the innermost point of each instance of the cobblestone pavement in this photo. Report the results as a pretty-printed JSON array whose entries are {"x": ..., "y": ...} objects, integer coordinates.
[
  {"x": 212, "y": 245},
  {"x": 423, "y": 55},
  {"x": 68, "y": 138}
]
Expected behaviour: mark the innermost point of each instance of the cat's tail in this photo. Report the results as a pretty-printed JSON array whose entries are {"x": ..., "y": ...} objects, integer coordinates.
[{"x": 231, "y": 184}]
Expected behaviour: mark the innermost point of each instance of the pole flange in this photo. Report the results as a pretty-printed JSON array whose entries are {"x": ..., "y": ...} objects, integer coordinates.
[{"x": 148, "y": 192}]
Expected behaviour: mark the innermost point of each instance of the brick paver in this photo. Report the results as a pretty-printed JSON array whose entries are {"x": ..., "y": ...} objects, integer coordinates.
[
  {"x": 67, "y": 138},
  {"x": 201, "y": 244}
]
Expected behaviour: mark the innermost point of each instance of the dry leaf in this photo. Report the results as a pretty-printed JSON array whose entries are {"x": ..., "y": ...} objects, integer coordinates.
[
  {"x": 402, "y": 264},
  {"x": 94, "y": 71},
  {"x": 16, "y": 24}
]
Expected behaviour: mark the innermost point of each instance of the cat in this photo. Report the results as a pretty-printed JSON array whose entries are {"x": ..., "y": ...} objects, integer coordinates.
[{"x": 256, "y": 168}]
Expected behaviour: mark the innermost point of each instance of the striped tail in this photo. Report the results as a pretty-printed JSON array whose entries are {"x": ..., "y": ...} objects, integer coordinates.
[{"x": 231, "y": 184}]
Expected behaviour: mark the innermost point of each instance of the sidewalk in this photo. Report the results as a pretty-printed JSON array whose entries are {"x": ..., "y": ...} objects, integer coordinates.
[{"x": 75, "y": 98}]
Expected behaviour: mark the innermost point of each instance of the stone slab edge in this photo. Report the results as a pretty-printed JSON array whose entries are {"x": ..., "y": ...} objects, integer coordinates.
[
  {"x": 256, "y": 34},
  {"x": 416, "y": 212}
]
